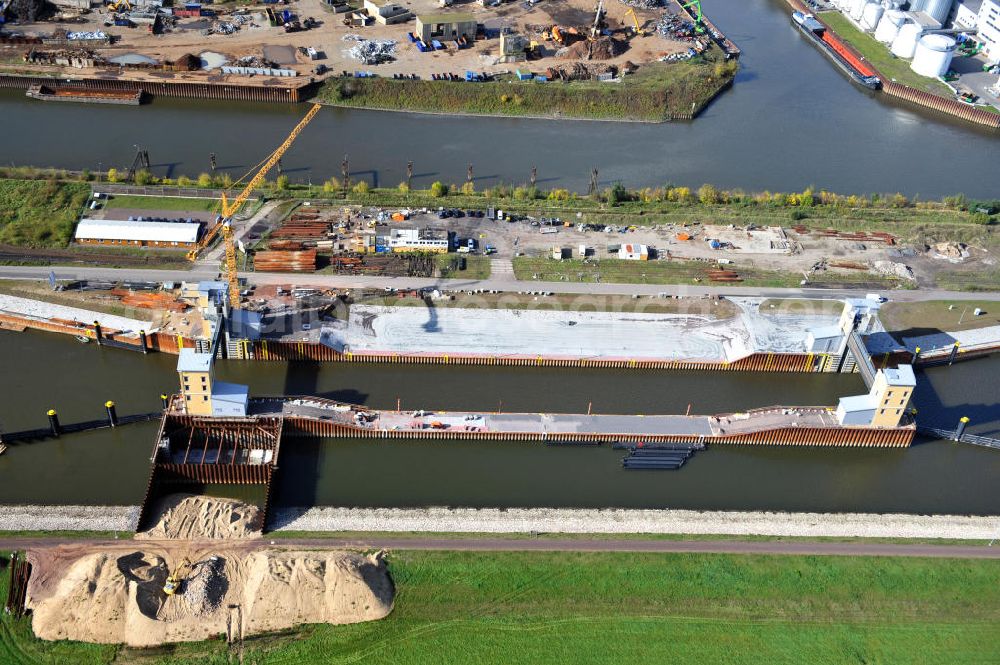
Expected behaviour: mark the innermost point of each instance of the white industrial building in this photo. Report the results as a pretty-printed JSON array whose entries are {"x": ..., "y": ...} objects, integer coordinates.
[
  {"x": 130, "y": 232},
  {"x": 415, "y": 240},
  {"x": 988, "y": 24}
]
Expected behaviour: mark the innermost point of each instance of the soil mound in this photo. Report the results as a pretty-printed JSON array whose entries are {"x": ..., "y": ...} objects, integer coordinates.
[
  {"x": 111, "y": 598},
  {"x": 192, "y": 517},
  {"x": 602, "y": 48}
]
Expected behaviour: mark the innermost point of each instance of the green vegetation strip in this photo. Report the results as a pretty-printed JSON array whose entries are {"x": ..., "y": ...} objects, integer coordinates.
[
  {"x": 470, "y": 607},
  {"x": 127, "y": 201},
  {"x": 930, "y": 315},
  {"x": 657, "y": 92},
  {"x": 879, "y": 55},
  {"x": 621, "y": 271},
  {"x": 476, "y": 267},
  {"x": 40, "y": 213}
]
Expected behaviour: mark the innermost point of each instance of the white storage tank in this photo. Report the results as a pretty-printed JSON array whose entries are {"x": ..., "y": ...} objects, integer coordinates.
[
  {"x": 888, "y": 26},
  {"x": 905, "y": 42},
  {"x": 857, "y": 7},
  {"x": 933, "y": 54},
  {"x": 871, "y": 15},
  {"x": 938, "y": 9}
]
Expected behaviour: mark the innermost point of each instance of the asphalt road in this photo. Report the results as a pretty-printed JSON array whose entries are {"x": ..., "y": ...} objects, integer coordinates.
[
  {"x": 509, "y": 284},
  {"x": 547, "y": 544}
]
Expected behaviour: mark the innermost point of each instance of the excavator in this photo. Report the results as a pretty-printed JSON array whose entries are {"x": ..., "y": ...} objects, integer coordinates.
[
  {"x": 639, "y": 32},
  {"x": 176, "y": 578},
  {"x": 699, "y": 28}
]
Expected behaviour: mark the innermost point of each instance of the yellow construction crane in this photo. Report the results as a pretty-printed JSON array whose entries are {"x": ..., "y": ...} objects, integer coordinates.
[{"x": 230, "y": 207}]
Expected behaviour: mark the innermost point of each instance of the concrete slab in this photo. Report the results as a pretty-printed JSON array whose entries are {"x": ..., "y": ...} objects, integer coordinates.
[{"x": 44, "y": 310}]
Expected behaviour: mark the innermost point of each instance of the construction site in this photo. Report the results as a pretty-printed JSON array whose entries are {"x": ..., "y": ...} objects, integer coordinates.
[{"x": 290, "y": 45}]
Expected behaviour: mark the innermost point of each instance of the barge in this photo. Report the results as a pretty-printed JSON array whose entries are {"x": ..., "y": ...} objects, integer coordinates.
[
  {"x": 50, "y": 93},
  {"x": 856, "y": 69}
]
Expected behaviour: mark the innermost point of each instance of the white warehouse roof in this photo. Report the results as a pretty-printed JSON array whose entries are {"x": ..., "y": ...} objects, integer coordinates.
[{"x": 117, "y": 229}]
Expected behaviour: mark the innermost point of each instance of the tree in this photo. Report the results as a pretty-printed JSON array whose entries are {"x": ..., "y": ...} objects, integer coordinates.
[
  {"x": 331, "y": 186},
  {"x": 439, "y": 189},
  {"x": 362, "y": 187},
  {"x": 143, "y": 177},
  {"x": 183, "y": 181},
  {"x": 708, "y": 194},
  {"x": 469, "y": 188},
  {"x": 112, "y": 175},
  {"x": 204, "y": 180},
  {"x": 281, "y": 183},
  {"x": 403, "y": 188}
]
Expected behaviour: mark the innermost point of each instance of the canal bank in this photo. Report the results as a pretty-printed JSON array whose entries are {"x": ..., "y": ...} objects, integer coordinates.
[
  {"x": 856, "y": 143},
  {"x": 111, "y": 466}
]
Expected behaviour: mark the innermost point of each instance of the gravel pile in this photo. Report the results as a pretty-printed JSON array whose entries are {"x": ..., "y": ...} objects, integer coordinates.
[
  {"x": 571, "y": 520},
  {"x": 206, "y": 586},
  {"x": 69, "y": 518}
]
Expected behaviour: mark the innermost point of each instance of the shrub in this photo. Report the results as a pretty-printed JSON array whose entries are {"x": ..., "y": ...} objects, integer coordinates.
[
  {"x": 183, "y": 181},
  {"x": 796, "y": 215},
  {"x": 403, "y": 188},
  {"x": 204, "y": 180},
  {"x": 469, "y": 188},
  {"x": 708, "y": 194},
  {"x": 112, "y": 175},
  {"x": 362, "y": 187},
  {"x": 439, "y": 189},
  {"x": 980, "y": 218},
  {"x": 143, "y": 177}
]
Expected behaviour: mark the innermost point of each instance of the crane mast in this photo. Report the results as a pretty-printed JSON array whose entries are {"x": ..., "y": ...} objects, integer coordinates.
[{"x": 230, "y": 207}]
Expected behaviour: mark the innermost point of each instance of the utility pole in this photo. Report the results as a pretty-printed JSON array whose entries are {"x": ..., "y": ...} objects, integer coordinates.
[
  {"x": 468, "y": 173},
  {"x": 534, "y": 175},
  {"x": 593, "y": 182},
  {"x": 409, "y": 174},
  {"x": 345, "y": 171},
  {"x": 279, "y": 167},
  {"x": 211, "y": 160}
]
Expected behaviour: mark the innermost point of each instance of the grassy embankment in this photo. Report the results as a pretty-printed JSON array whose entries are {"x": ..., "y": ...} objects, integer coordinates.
[
  {"x": 656, "y": 92},
  {"x": 879, "y": 55},
  {"x": 934, "y": 314},
  {"x": 40, "y": 213},
  {"x": 128, "y": 202},
  {"x": 462, "y": 607},
  {"x": 621, "y": 271}
]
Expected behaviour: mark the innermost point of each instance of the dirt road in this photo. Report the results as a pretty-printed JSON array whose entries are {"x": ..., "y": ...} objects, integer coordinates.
[{"x": 539, "y": 544}]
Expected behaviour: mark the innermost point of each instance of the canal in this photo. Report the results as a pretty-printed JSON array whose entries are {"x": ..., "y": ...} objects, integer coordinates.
[
  {"x": 43, "y": 371},
  {"x": 792, "y": 120}
]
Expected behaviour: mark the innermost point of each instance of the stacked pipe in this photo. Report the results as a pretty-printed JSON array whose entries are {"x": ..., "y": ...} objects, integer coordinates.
[{"x": 285, "y": 261}]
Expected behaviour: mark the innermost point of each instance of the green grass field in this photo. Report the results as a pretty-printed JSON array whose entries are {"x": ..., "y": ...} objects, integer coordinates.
[
  {"x": 120, "y": 201},
  {"x": 476, "y": 267},
  {"x": 676, "y": 272},
  {"x": 935, "y": 314},
  {"x": 40, "y": 213},
  {"x": 608, "y": 608}
]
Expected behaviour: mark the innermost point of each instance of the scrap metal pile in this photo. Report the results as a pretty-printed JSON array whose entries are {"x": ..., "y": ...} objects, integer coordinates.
[
  {"x": 643, "y": 4},
  {"x": 371, "y": 51}
]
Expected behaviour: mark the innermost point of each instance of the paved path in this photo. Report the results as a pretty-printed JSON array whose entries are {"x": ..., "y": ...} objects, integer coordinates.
[
  {"x": 543, "y": 544},
  {"x": 509, "y": 284}
]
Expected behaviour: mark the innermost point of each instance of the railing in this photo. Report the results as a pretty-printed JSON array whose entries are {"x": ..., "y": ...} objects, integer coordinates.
[
  {"x": 861, "y": 357},
  {"x": 949, "y": 434}
]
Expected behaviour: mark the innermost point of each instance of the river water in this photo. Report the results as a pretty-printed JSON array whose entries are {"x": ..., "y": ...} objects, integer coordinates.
[
  {"x": 792, "y": 120},
  {"x": 43, "y": 371}
]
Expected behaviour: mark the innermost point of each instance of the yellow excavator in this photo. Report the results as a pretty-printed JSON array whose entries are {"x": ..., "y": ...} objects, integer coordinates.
[
  {"x": 639, "y": 32},
  {"x": 176, "y": 578}
]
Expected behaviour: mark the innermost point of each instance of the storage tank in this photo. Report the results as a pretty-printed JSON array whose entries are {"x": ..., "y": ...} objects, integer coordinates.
[
  {"x": 888, "y": 25},
  {"x": 905, "y": 42},
  {"x": 938, "y": 9},
  {"x": 933, "y": 54},
  {"x": 857, "y": 7},
  {"x": 871, "y": 15}
]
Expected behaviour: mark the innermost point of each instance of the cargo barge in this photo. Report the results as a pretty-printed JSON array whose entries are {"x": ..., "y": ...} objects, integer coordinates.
[
  {"x": 84, "y": 95},
  {"x": 855, "y": 68}
]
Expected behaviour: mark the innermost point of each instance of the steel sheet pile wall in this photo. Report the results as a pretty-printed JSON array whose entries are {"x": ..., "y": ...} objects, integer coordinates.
[
  {"x": 212, "y": 448},
  {"x": 287, "y": 91},
  {"x": 757, "y": 362},
  {"x": 856, "y": 437},
  {"x": 951, "y": 106}
]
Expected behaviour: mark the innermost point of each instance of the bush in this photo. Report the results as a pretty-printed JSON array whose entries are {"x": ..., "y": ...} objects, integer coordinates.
[
  {"x": 796, "y": 215},
  {"x": 708, "y": 194},
  {"x": 143, "y": 177},
  {"x": 331, "y": 186},
  {"x": 362, "y": 187},
  {"x": 112, "y": 175},
  {"x": 617, "y": 194},
  {"x": 204, "y": 180},
  {"x": 403, "y": 188},
  {"x": 469, "y": 188},
  {"x": 980, "y": 218},
  {"x": 439, "y": 189},
  {"x": 183, "y": 181}
]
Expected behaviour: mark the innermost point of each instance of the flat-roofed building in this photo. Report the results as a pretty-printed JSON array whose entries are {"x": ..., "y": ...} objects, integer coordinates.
[
  {"x": 445, "y": 27},
  {"x": 142, "y": 233}
]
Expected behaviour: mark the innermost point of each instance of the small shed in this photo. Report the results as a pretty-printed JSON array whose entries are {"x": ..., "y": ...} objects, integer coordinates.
[
  {"x": 632, "y": 252},
  {"x": 445, "y": 26}
]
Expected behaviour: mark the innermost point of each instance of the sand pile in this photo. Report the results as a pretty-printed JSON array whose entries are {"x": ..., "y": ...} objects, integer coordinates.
[
  {"x": 190, "y": 517},
  {"x": 602, "y": 48},
  {"x": 112, "y": 598}
]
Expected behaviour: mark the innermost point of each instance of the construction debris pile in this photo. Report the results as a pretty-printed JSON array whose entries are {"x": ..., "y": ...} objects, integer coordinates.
[
  {"x": 602, "y": 48},
  {"x": 951, "y": 251},
  {"x": 254, "y": 61},
  {"x": 371, "y": 51},
  {"x": 578, "y": 71},
  {"x": 892, "y": 269},
  {"x": 79, "y": 58},
  {"x": 643, "y": 4},
  {"x": 98, "y": 35}
]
